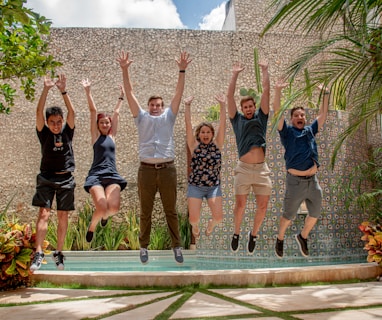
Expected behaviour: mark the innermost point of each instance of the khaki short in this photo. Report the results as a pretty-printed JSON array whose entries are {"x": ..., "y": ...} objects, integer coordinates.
[{"x": 255, "y": 177}]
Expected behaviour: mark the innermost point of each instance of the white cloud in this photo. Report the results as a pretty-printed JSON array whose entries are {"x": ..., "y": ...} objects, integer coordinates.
[
  {"x": 215, "y": 19},
  {"x": 109, "y": 13}
]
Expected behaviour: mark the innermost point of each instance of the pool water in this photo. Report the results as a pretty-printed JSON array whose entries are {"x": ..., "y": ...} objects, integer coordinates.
[{"x": 164, "y": 261}]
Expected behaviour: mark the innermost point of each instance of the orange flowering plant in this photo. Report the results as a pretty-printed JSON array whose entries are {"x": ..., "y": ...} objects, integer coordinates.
[
  {"x": 372, "y": 234},
  {"x": 16, "y": 251}
]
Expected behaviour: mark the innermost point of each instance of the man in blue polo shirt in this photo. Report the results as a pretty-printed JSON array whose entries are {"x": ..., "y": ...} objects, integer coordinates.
[{"x": 301, "y": 160}]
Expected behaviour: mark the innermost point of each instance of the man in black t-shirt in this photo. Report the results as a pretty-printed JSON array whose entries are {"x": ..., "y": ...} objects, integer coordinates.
[{"x": 57, "y": 164}]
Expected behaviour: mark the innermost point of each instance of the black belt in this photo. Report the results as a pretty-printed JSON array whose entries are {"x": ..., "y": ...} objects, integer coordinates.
[
  {"x": 157, "y": 165},
  {"x": 302, "y": 177}
]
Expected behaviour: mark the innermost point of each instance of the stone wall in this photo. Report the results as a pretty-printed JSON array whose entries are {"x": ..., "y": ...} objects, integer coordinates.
[{"x": 91, "y": 53}]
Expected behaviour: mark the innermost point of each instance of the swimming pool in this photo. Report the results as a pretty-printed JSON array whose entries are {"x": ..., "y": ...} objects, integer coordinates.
[{"x": 109, "y": 261}]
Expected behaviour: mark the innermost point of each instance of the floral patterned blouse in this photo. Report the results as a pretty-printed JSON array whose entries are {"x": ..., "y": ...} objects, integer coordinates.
[{"x": 205, "y": 165}]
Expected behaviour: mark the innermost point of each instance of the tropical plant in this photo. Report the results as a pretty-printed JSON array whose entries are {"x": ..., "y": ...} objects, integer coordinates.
[
  {"x": 363, "y": 189},
  {"x": 348, "y": 54},
  {"x": 373, "y": 238},
  {"x": 17, "y": 242},
  {"x": 24, "y": 51},
  {"x": 255, "y": 94},
  {"x": 160, "y": 238},
  {"x": 184, "y": 230},
  {"x": 213, "y": 113},
  {"x": 132, "y": 230},
  {"x": 112, "y": 236}
]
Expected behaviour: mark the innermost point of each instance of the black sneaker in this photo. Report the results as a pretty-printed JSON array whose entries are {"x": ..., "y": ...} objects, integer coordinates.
[
  {"x": 59, "y": 258},
  {"x": 104, "y": 222},
  {"x": 89, "y": 236},
  {"x": 251, "y": 244},
  {"x": 279, "y": 248},
  {"x": 144, "y": 255},
  {"x": 37, "y": 261},
  {"x": 178, "y": 255},
  {"x": 235, "y": 243},
  {"x": 302, "y": 245}
]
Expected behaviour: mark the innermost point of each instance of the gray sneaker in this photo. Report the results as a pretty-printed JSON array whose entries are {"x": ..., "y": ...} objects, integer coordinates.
[
  {"x": 302, "y": 245},
  {"x": 37, "y": 260},
  {"x": 144, "y": 255},
  {"x": 178, "y": 255}
]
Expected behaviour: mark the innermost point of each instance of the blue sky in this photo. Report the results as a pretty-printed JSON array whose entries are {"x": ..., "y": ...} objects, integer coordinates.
[{"x": 163, "y": 14}]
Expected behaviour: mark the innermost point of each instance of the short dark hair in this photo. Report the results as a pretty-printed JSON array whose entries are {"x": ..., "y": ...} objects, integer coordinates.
[
  {"x": 154, "y": 98},
  {"x": 53, "y": 111},
  {"x": 294, "y": 109},
  {"x": 247, "y": 98}
]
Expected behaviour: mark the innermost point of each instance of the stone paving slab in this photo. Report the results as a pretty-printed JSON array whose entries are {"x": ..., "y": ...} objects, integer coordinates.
[
  {"x": 203, "y": 305},
  {"x": 148, "y": 312},
  {"x": 77, "y": 309},
  {"x": 364, "y": 314},
  {"x": 309, "y": 297},
  {"x": 47, "y": 294}
]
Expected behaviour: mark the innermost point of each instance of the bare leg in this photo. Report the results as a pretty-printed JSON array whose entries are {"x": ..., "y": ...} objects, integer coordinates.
[
  {"x": 240, "y": 203},
  {"x": 284, "y": 224},
  {"x": 63, "y": 217},
  {"x": 194, "y": 207},
  {"x": 261, "y": 210},
  {"x": 216, "y": 207},
  {"x": 113, "y": 199},
  {"x": 41, "y": 227},
  {"x": 99, "y": 199},
  {"x": 308, "y": 226}
]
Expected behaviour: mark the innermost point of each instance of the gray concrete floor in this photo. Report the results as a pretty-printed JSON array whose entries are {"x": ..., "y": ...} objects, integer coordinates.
[{"x": 360, "y": 301}]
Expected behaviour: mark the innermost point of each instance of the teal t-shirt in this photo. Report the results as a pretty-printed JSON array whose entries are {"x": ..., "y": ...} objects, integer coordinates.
[{"x": 250, "y": 132}]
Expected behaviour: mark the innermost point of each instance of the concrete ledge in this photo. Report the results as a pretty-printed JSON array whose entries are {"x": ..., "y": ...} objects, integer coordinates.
[{"x": 275, "y": 276}]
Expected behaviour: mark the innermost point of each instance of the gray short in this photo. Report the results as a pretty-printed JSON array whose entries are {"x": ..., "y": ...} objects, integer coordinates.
[{"x": 299, "y": 189}]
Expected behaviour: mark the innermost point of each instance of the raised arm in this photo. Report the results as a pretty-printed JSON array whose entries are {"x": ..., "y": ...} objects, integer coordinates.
[
  {"x": 232, "y": 109},
  {"x": 115, "y": 117},
  {"x": 265, "y": 97},
  {"x": 190, "y": 139},
  {"x": 280, "y": 84},
  {"x": 124, "y": 63},
  {"x": 61, "y": 85},
  {"x": 93, "y": 110},
  {"x": 321, "y": 118},
  {"x": 40, "y": 120},
  {"x": 183, "y": 62},
  {"x": 219, "y": 140}
]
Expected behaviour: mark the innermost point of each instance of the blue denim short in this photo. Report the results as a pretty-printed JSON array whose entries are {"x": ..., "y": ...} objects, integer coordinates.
[{"x": 201, "y": 192}]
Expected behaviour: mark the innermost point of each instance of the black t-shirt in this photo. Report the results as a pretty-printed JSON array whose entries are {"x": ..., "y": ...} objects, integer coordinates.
[{"x": 57, "y": 150}]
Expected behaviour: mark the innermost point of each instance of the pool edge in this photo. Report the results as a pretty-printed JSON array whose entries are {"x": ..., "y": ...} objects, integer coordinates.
[{"x": 271, "y": 276}]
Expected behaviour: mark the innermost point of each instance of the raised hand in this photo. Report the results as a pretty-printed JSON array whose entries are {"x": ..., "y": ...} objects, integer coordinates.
[
  {"x": 123, "y": 59},
  {"x": 61, "y": 82},
  {"x": 48, "y": 82},
  {"x": 187, "y": 101},
  {"x": 237, "y": 67},
  {"x": 183, "y": 61},
  {"x": 221, "y": 98},
  {"x": 281, "y": 84}
]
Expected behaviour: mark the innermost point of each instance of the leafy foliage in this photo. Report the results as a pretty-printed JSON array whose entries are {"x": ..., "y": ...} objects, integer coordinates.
[
  {"x": 16, "y": 252},
  {"x": 373, "y": 238},
  {"x": 23, "y": 51},
  {"x": 347, "y": 56}
]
